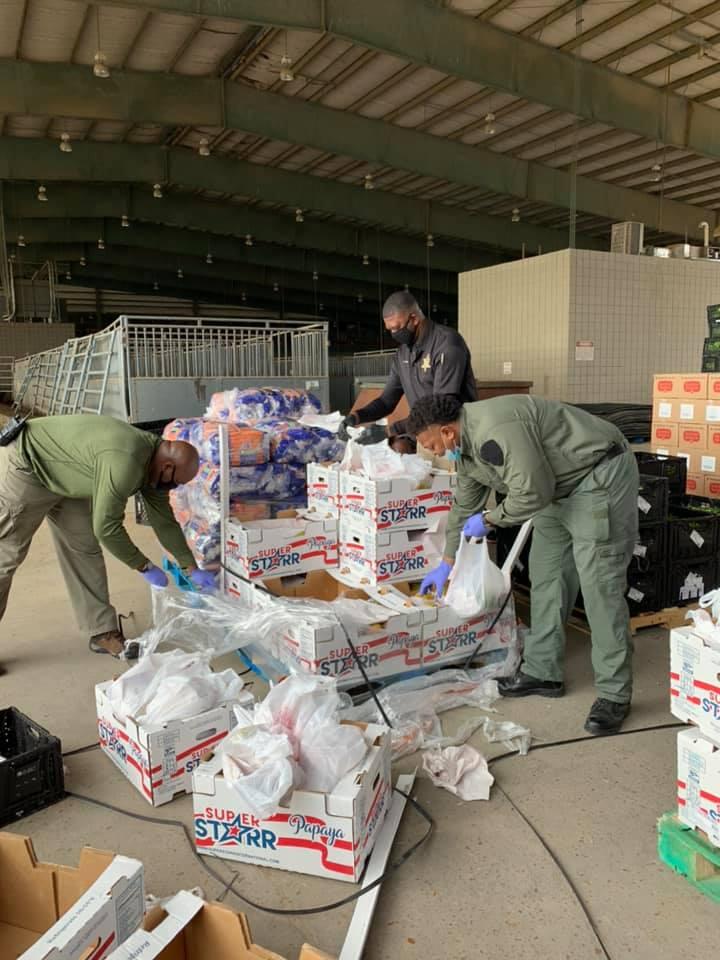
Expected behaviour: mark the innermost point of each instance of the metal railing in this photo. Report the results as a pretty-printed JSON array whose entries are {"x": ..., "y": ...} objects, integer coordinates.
[
  {"x": 373, "y": 363},
  {"x": 6, "y": 374}
]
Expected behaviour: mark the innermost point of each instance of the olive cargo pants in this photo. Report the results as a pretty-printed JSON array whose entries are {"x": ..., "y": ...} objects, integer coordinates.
[
  {"x": 586, "y": 540},
  {"x": 24, "y": 503}
]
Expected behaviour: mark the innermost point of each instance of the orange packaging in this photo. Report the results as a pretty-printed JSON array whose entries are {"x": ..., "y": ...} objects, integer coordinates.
[
  {"x": 692, "y": 436},
  {"x": 695, "y": 485},
  {"x": 683, "y": 386},
  {"x": 664, "y": 433},
  {"x": 712, "y": 488}
]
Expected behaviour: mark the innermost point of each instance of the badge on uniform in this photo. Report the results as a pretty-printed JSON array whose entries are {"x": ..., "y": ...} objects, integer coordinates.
[{"x": 426, "y": 364}]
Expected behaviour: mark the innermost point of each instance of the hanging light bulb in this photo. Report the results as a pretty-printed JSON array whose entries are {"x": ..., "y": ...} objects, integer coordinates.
[
  {"x": 321, "y": 307},
  {"x": 489, "y": 127},
  {"x": 366, "y": 260},
  {"x": 656, "y": 173},
  {"x": 286, "y": 71},
  {"x": 430, "y": 240},
  {"x": 315, "y": 276},
  {"x": 204, "y": 147},
  {"x": 65, "y": 145},
  {"x": 83, "y": 261},
  {"x": 101, "y": 243},
  {"x": 276, "y": 287},
  {"x": 156, "y": 285},
  {"x": 248, "y": 240},
  {"x": 209, "y": 259},
  {"x": 434, "y": 308},
  {"x": 157, "y": 191},
  {"x": 243, "y": 296},
  {"x": 124, "y": 222},
  {"x": 180, "y": 274},
  {"x": 368, "y": 182},
  {"x": 515, "y": 218},
  {"x": 299, "y": 218},
  {"x": 100, "y": 67},
  {"x": 68, "y": 275},
  {"x": 42, "y": 194},
  {"x": 21, "y": 241},
  {"x": 359, "y": 298}
]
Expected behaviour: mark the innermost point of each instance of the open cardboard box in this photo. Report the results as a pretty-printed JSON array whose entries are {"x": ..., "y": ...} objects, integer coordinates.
[
  {"x": 186, "y": 928},
  {"x": 290, "y": 544},
  {"x": 52, "y": 912}
]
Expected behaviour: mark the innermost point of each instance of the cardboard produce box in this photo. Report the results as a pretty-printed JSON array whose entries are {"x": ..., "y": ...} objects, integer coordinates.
[
  {"x": 692, "y": 436},
  {"x": 397, "y": 503},
  {"x": 695, "y": 485},
  {"x": 694, "y": 681},
  {"x": 415, "y": 632},
  {"x": 158, "y": 758},
  {"x": 711, "y": 488},
  {"x": 714, "y": 387},
  {"x": 51, "y": 912},
  {"x": 679, "y": 411},
  {"x": 665, "y": 433},
  {"x": 186, "y": 928},
  {"x": 681, "y": 386},
  {"x": 323, "y": 488},
  {"x": 698, "y": 783},
  {"x": 712, "y": 412},
  {"x": 323, "y": 834},
  {"x": 374, "y": 556},
  {"x": 269, "y": 548}
]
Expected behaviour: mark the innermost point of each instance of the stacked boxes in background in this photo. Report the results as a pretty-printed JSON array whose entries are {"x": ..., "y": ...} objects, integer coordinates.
[
  {"x": 686, "y": 423},
  {"x": 711, "y": 347}
]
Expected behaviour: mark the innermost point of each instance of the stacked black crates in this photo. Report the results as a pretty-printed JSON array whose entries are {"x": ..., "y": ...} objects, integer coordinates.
[
  {"x": 31, "y": 767},
  {"x": 711, "y": 347}
]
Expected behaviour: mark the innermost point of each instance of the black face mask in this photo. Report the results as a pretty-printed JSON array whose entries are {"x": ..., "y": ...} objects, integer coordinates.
[
  {"x": 405, "y": 336},
  {"x": 167, "y": 485}
]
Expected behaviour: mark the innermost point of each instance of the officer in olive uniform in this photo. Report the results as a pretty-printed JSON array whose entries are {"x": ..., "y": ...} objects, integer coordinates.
[
  {"x": 429, "y": 360},
  {"x": 576, "y": 477}
]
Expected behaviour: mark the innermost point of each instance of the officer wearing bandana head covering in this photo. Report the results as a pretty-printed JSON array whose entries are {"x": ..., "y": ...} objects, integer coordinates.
[{"x": 429, "y": 360}]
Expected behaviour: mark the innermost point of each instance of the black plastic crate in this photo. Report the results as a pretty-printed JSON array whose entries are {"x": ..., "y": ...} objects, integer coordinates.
[
  {"x": 714, "y": 328},
  {"x": 31, "y": 771},
  {"x": 645, "y": 590},
  {"x": 653, "y": 498},
  {"x": 688, "y": 580},
  {"x": 674, "y": 469},
  {"x": 693, "y": 533},
  {"x": 710, "y": 364},
  {"x": 713, "y": 313},
  {"x": 651, "y": 548},
  {"x": 711, "y": 347}
]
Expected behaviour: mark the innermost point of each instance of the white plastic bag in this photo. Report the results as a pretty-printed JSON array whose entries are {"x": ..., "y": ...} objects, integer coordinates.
[
  {"x": 461, "y": 770},
  {"x": 327, "y": 752},
  {"x": 476, "y": 584},
  {"x": 187, "y": 695},
  {"x": 326, "y": 421},
  {"x": 259, "y": 766}
]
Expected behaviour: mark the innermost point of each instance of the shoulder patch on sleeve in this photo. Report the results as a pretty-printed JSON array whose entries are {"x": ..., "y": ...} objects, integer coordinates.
[{"x": 491, "y": 452}]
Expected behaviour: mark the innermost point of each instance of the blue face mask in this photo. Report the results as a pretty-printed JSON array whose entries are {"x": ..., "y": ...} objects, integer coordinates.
[{"x": 454, "y": 455}]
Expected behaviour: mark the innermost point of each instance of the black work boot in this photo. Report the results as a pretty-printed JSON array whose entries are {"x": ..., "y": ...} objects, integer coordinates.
[
  {"x": 521, "y": 685},
  {"x": 606, "y": 717}
]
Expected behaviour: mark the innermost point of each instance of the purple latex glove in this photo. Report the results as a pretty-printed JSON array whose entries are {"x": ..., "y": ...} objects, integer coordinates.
[
  {"x": 204, "y": 580},
  {"x": 436, "y": 580},
  {"x": 155, "y": 576},
  {"x": 476, "y": 527}
]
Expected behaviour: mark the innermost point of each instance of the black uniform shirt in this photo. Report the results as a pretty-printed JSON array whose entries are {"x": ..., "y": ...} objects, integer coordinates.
[{"x": 438, "y": 363}]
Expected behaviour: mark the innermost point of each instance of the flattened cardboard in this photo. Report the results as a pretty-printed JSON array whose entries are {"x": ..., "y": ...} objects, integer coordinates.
[{"x": 52, "y": 912}]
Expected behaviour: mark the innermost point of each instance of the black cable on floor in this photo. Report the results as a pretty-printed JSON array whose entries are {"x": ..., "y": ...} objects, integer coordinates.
[
  {"x": 77, "y": 750},
  {"x": 284, "y": 912}
]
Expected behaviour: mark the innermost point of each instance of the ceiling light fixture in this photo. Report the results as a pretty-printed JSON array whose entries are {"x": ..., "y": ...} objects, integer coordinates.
[
  {"x": 68, "y": 275},
  {"x": 276, "y": 287},
  {"x": 156, "y": 285},
  {"x": 286, "y": 71},
  {"x": 489, "y": 127},
  {"x": 42, "y": 194},
  {"x": 101, "y": 243},
  {"x": 366, "y": 260},
  {"x": 248, "y": 240},
  {"x": 100, "y": 67},
  {"x": 321, "y": 307},
  {"x": 515, "y": 218},
  {"x": 368, "y": 182},
  {"x": 656, "y": 173},
  {"x": 204, "y": 147},
  {"x": 299, "y": 218},
  {"x": 429, "y": 240},
  {"x": 157, "y": 191},
  {"x": 83, "y": 261},
  {"x": 180, "y": 274},
  {"x": 243, "y": 296},
  {"x": 359, "y": 298},
  {"x": 315, "y": 276},
  {"x": 209, "y": 259},
  {"x": 124, "y": 222},
  {"x": 65, "y": 145},
  {"x": 407, "y": 288},
  {"x": 21, "y": 242}
]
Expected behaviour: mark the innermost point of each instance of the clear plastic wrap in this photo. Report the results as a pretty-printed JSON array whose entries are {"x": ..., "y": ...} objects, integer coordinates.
[
  {"x": 239, "y": 406},
  {"x": 247, "y": 446},
  {"x": 293, "y": 443}
]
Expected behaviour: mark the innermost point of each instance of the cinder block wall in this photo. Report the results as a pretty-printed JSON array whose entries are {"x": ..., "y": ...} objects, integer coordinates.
[
  {"x": 643, "y": 315},
  {"x": 20, "y": 339}
]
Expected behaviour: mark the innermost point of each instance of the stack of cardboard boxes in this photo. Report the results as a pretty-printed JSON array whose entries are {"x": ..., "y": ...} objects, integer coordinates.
[{"x": 686, "y": 423}]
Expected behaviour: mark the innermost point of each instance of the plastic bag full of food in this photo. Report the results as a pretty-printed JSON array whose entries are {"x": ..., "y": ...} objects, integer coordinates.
[
  {"x": 260, "y": 403},
  {"x": 247, "y": 446},
  {"x": 476, "y": 583},
  {"x": 291, "y": 442}
]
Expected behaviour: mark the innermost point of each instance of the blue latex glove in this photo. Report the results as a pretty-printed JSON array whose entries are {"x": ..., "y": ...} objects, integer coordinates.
[
  {"x": 436, "y": 580},
  {"x": 373, "y": 434},
  {"x": 476, "y": 527},
  {"x": 204, "y": 580},
  {"x": 155, "y": 576}
]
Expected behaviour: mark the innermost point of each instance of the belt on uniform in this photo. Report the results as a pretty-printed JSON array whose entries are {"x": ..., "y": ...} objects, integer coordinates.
[{"x": 614, "y": 450}]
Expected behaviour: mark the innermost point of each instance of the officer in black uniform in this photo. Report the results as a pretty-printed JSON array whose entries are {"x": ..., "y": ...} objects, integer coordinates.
[{"x": 430, "y": 360}]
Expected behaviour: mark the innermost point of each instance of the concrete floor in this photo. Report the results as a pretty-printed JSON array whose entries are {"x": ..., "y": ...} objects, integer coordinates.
[{"x": 483, "y": 887}]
